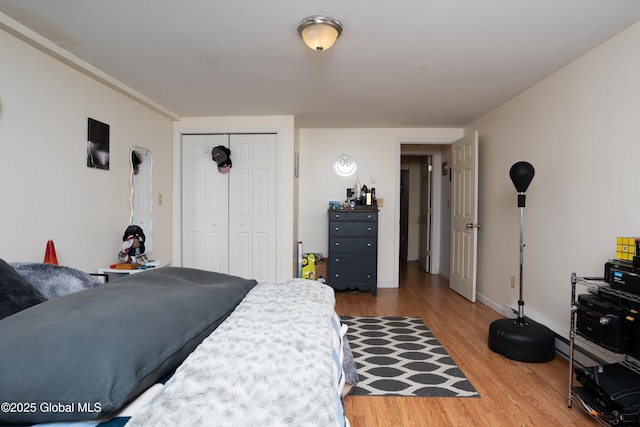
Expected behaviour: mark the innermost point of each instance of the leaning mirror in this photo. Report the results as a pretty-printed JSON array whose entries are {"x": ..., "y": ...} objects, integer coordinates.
[{"x": 140, "y": 200}]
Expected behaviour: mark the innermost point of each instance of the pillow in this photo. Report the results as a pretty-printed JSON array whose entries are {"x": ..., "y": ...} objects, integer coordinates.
[
  {"x": 54, "y": 281},
  {"x": 16, "y": 293},
  {"x": 94, "y": 351}
]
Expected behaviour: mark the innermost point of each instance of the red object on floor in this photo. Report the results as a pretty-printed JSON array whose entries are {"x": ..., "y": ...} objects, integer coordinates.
[{"x": 50, "y": 256}]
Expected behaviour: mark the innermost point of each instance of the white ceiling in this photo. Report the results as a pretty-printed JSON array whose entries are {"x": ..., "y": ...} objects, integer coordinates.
[{"x": 401, "y": 63}]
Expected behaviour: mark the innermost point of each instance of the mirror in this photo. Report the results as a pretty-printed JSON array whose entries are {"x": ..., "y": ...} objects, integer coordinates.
[{"x": 140, "y": 198}]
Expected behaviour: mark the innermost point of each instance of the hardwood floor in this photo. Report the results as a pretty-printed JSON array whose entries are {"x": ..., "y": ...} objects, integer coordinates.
[{"x": 511, "y": 393}]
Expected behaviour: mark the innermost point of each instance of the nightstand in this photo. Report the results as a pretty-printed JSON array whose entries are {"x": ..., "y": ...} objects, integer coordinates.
[{"x": 114, "y": 273}]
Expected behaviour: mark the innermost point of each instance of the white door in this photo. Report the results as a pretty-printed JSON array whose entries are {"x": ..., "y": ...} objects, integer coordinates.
[
  {"x": 252, "y": 206},
  {"x": 205, "y": 205},
  {"x": 229, "y": 220},
  {"x": 464, "y": 216}
]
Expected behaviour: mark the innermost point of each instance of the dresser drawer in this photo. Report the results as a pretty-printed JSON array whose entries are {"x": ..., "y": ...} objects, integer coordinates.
[
  {"x": 363, "y": 259},
  {"x": 352, "y": 276},
  {"x": 353, "y": 228},
  {"x": 348, "y": 215},
  {"x": 364, "y": 244}
]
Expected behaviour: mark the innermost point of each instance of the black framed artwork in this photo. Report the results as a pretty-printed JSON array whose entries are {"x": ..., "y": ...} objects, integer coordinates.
[{"x": 97, "y": 145}]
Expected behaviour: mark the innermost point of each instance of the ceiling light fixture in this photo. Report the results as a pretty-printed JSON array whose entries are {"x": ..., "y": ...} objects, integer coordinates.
[{"x": 319, "y": 32}]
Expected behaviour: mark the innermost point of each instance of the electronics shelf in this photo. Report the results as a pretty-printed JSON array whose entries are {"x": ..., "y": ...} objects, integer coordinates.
[{"x": 591, "y": 349}]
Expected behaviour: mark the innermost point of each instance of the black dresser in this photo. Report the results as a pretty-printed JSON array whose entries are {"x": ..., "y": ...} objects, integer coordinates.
[{"x": 353, "y": 249}]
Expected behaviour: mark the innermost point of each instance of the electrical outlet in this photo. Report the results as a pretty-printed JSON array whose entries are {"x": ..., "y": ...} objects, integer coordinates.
[
  {"x": 380, "y": 202},
  {"x": 513, "y": 282}
]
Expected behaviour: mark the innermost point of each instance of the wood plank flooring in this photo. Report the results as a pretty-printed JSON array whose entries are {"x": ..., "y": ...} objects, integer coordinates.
[{"x": 511, "y": 393}]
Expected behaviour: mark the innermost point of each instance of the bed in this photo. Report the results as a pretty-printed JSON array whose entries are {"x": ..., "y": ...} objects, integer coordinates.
[{"x": 172, "y": 346}]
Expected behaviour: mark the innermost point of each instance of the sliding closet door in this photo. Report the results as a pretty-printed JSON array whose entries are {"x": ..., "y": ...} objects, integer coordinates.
[
  {"x": 229, "y": 220},
  {"x": 205, "y": 205},
  {"x": 252, "y": 206}
]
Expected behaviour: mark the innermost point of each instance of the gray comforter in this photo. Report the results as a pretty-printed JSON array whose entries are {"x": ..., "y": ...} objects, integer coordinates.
[{"x": 271, "y": 363}]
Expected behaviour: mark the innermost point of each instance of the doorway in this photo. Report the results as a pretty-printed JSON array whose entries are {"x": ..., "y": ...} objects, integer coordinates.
[{"x": 416, "y": 210}]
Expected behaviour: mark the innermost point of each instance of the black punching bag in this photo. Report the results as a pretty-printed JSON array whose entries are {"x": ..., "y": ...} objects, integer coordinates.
[{"x": 522, "y": 339}]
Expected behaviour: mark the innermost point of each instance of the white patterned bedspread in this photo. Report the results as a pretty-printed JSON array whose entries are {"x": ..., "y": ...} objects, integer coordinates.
[{"x": 271, "y": 363}]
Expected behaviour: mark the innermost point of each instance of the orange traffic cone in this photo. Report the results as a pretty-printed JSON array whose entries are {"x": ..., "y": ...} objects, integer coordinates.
[{"x": 50, "y": 256}]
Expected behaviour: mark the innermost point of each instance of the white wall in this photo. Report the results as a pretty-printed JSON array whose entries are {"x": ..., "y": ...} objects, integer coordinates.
[
  {"x": 48, "y": 192},
  {"x": 580, "y": 128},
  {"x": 377, "y": 152},
  {"x": 286, "y": 220}
]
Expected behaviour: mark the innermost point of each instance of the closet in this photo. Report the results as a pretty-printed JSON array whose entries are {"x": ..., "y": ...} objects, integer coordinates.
[{"x": 229, "y": 220}]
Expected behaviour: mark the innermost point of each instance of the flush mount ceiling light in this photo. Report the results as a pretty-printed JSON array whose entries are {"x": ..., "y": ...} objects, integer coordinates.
[{"x": 319, "y": 32}]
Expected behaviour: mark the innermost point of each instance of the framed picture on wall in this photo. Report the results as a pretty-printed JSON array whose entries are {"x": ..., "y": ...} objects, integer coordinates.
[{"x": 97, "y": 145}]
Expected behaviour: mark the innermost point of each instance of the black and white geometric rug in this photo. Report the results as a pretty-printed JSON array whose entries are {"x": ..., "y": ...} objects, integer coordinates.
[{"x": 399, "y": 356}]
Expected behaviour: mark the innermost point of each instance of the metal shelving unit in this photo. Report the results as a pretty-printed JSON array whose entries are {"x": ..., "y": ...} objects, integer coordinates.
[{"x": 593, "y": 350}]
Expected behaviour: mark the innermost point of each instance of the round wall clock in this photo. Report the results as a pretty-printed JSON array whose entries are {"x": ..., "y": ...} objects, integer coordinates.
[{"x": 345, "y": 166}]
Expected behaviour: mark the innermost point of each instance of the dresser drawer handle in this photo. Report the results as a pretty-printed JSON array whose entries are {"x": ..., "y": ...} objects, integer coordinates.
[
  {"x": 337, "y": 275},
  {"x": 337, "y": 215},
  {"x": 337, "y": 228},
  {"x": 337, "y": 259},
  {"x": 337, "y": 243},
  {"x": 369, "y": 229},
  {"x": 368, "y": 276},
  {"x": 369, "y": 216},
  {"x": 368, "y": 245}
]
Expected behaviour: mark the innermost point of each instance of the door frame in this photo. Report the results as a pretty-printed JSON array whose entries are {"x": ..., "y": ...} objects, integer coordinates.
[
  {"x": 286, "y": 220},
  {"x": 421, "y": 146}
]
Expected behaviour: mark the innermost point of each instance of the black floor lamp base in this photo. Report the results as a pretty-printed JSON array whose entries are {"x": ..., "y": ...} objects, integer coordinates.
[{"x": 523, "y": 340}]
